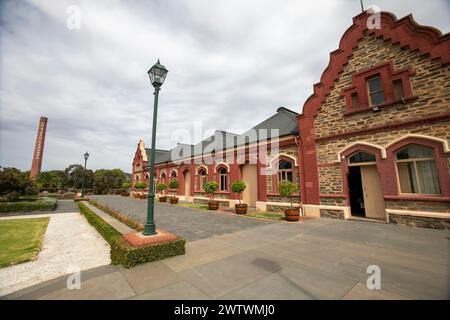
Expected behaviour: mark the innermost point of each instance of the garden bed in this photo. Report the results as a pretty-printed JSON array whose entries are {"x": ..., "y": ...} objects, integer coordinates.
[
  {"x": 28, "y": 204},
  {"x": 125, "y": 254}
]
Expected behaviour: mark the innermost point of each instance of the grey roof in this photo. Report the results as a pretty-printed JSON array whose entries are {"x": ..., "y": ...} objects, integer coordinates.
[{"x": 285, "y": 121}]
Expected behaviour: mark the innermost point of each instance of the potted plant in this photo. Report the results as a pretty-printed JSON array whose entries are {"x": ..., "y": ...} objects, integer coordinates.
[
  {"x": 211, "y": 188},
  {"x": 286, "y": 189},
  {"x": 239, "y": 186},
  {"x": 140, "y": 186},
  {"x": 173, "y": 185},
  {"x": 161, "y": 187}
]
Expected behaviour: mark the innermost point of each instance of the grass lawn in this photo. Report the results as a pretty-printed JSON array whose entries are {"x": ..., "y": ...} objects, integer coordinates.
[
  {"x": 267, "y": 215},
  {"x": 21, "y": 239},
  {"x": 194, "y": 205}
]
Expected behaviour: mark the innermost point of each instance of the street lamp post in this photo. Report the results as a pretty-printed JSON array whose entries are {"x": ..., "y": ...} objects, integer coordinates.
[
  {"x": 86, "y": 156},
  {"x": 157, "y": 74}
]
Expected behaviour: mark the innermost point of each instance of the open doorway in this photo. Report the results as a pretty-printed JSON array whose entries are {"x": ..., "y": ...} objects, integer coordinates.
[{"x": 366, "y": 196}]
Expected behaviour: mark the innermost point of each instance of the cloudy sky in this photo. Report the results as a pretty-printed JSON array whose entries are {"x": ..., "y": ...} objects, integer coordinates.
[{"x": 231, "y": 64}]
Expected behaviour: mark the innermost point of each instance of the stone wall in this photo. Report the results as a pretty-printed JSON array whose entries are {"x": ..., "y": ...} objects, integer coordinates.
[
  {"x": 334, "y": 214},
  {"x": 423, "y": 222}
]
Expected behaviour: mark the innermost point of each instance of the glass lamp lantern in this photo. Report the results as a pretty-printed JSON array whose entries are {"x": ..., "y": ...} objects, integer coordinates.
[{"x": 157, "y": 74}]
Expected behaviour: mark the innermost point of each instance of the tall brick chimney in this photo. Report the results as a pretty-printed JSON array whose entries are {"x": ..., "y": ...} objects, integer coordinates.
[{"x": 38, "y": 149}]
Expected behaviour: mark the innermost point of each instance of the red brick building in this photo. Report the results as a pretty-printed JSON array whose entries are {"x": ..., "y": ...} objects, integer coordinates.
[
  {"x": 372, "y": 141},
  {"x": 374, "y": 136}
]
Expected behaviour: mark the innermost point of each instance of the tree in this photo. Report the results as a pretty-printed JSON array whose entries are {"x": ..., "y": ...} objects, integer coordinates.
[
  {"x": 238, "y": 186},
  {"x": 287, "y": 189},
  {"x": 49, "y": 180},
  {"x": 106, "y": 179},
  {"x": 14, "y": 182},
  {"x": 74, "y": 175},
  {"x": 211, "y": 187}
]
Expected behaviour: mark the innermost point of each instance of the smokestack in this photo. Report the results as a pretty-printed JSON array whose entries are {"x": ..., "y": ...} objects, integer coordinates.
[{"x": 38, "y": 148}]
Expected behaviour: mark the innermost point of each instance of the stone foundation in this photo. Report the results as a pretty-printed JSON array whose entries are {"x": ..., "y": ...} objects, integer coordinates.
[
  {"x": 334, "y": 214},
  {"x": 421, "y": 222}
]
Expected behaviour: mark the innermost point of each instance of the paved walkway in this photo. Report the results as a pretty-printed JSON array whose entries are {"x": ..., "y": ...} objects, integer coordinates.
[
  {"x": 319, "y": 259},
  {"x": 191, "y": 224},
  {"x": 70, "y": 244}
]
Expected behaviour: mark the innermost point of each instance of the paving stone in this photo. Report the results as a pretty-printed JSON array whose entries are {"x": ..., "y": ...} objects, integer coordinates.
[
  {"x": 112, "y": 286},
  {"x": 361, "y": 292},
  {"x": 149, "y": 276},
  {"x": 179, "y": 291}
]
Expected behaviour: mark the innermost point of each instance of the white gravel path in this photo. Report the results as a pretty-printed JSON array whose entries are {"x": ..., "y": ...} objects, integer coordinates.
[{"x": 70, "y": 243}]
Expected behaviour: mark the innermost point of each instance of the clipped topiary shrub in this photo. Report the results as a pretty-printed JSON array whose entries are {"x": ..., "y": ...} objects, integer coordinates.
[
  {"x": 106, "y": 231},
  {"x": 128, "y": 256}
]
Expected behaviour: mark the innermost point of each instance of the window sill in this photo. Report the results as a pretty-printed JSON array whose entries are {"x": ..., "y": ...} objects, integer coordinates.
[
  {"x": 278, "y": 195},
  {"x": 381, "y": 106},
  {"x": 419, "y": 197}
]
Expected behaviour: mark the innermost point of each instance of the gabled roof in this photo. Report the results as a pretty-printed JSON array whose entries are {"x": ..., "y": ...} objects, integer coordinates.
[
  {"x": 406, "y": 32},
  {"x": 284, "y": 120}
]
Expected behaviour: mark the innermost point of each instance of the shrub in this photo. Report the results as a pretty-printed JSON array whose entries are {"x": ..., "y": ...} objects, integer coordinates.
[
  {"x": 211, "y": 187},
  {"x": 238, "y": 186},
  {"x": 140, "y": 185},
  {"x": 174, "y": 184},
  {"x": 128, "y": 256},
  {"x": 126, "y": 185},
  {"x": 136, "y": 225},
  {"x": 161, "y": 187},
  {"x": 29, "y": 204},
  {"x": 286, "y": 189},
  {"x": 14, "y": 180}
]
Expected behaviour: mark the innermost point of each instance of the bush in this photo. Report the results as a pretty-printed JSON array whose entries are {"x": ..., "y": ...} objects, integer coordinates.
[
  {"x": 211, "y": 187},
  {"x": 29, "y": 204},
  {"x": 14, "y": 180},
  {"x": 128, "y": 256},
  {"x": 161, "y": 187},
  {"x": 238, "y": 186},
  {"x": 140, "y": 185},
  {"x": 174, "y": 184},
  {"x": 106, "y": 231},
  {"x": 136, "y": 225},
  {"x": 123, "y": 253},
  {"x": 126, "y": 185}
]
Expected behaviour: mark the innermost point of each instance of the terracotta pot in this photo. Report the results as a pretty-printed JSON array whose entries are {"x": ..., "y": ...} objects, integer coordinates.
[
  {"x": 173, "y": 200},
  {"x": 292, "y": 214},
  {"x": 213, "y": 205},
  {"x": 240, "y": 208},
  {"x": 163, "y": 199}
]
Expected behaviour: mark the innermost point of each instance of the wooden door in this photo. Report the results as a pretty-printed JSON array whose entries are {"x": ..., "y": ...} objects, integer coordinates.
[
  {"x": 187, "y": 185},
  {"x": 249, "y": 175},
  {"x": 373, "y": 195}
]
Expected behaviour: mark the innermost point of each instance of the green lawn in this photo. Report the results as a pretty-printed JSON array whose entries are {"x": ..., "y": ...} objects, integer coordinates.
[
  {"x": 267, "y": 215},
  {"x": 194, "y": 205},
  {"x": 21, "y": 239}
]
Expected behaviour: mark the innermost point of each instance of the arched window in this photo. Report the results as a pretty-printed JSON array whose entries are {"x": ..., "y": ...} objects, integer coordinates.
[
  {"x": 223, "y": 179},
  {"x": 416, "y": 169},
  {"x": 285, "y": 172},
  {"x": 202, "y": 179},
  {"x": 163, "y": 177},
  {"x": 173, "y": 175},
  {"x": 137, "y": 177},
  {"x": 362, "y": 157}
]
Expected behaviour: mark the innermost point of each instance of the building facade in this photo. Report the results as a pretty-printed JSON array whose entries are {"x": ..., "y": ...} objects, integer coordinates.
[
  {"x": 375, "y": 133},
  {"x": 372, "y": 141}
]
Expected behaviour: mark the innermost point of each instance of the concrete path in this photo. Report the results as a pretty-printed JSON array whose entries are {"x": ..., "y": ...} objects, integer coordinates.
[
  {"x": 191, "y": 224},
  {"x": 70, "y": 244},
  {"x": 319, "y": 259}
]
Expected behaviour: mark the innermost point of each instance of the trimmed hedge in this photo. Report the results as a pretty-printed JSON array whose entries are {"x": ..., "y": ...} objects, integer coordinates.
[
  {"x": 136, "y": 225},
  {"x": 44, "y": 203},
  {"x": 107, "y": 232},
  {"x": 128, "y": 256},
  {"x": 125, "y": 254}
]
